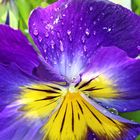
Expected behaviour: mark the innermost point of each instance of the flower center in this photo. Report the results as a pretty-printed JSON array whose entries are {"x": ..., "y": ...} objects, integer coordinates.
[
  {"x": 39, "y": 100},
  {"x": 72, "y": 89}
]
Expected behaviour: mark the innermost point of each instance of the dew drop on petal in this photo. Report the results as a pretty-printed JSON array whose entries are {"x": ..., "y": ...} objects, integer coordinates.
[
  {"x": 49, "y": 26},
  {"x": 52, "y": 44},
  {"x": 98, "y": 19},
  {"x": 83, "y": 39},
  {"x": 125, "y": 109},
  {"x": 47, "y": 34},
  {"x": 35, "y": 32},
  {"x": 62, "y": 23},
  {"x": 63, "y": 15},
  {"x": 68, "y": 32},
  {"x": 94, "y": 22},
  {"x": 66, "y": 5},
  {"x": 109, "y": 29},
  {"x": 39, "y": 38},
  {"x": 81, "y": 18},
  {"x": 51, "y": 17},
  {"x": 113, "y": 111},
  {"x": 85, "y": 48},
  {"x": 54, "y": 62},
  {"x": 94, "y": 32},
  {"x": 61, "y": 46},
  {"x": 87, "y": 32},
  {"x": 91, "y": 8},
  {"x": 104, "y": 28},
  {"x": 56, "y": 20},
  {"x": 45, "y": 50},
  {"x": 34, "y": 24},
  {"x": 80, "y": 28},
  {"x": 138, "y": 47}
]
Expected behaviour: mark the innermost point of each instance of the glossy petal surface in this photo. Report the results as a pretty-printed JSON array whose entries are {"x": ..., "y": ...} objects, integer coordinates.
[
  {"x": 13, "y": 124},
  {"x": 113, "y": 78},
  {"x": 72, "y": 30},
  {"x": 15, "y": 48}
]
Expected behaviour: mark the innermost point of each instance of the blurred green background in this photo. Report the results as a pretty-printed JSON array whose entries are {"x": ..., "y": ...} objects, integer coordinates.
[{"x": 16, "y": 14}]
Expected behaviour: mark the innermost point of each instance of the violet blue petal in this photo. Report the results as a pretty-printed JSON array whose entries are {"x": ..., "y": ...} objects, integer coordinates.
[
  {"x": 11, "y": 80},
  {"x": 68, "y": 32},
  {"x": 13, "y": 126},
  {"x": 121, "y": 73},
  {"x": 15, "y": 48}
]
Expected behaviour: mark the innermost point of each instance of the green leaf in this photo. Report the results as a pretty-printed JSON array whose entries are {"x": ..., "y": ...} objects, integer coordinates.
[
  {"x": 136, "y": 6},
  {"x": 135, "y": 116}
]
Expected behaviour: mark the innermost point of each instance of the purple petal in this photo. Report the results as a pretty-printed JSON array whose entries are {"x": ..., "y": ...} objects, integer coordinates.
[
  {"x": 116, "y": 79},
  {"x": 13, "y": 126},
  {"x": 14, "y": 123},
  {"x": 11, "y": 79},
  {"x": 72, "y": 30},
  {"x": 15, "y": 48}
]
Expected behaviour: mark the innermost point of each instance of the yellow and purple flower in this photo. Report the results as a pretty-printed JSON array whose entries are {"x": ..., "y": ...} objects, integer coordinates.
[{"x": 86, "y": 66}]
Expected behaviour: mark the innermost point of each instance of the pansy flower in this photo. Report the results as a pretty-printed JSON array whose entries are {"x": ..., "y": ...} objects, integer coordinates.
[{"x": 84, "y": 67}]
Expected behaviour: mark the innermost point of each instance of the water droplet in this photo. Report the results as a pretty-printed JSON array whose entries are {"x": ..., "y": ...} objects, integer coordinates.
[
  {"x": 40, "y": 38},
  {"x": 104, "y": 28},
  {"x": 81, "y": 19},
  {"x": 125, "y": 109},
  {"x": 56, "y": 20},
  {"x": 138, "y": 47},
  {"x": 45, "y": 50},
  {"x": 98, "y": 19},
  {"x": 66, "y": 5},
  {"x": 35, "y": 32},
  {"x": 103, "y": 14},
  {"x": 94, "y": 22},
  {"x": 87, "y": 32},
  {"x": 68, "y": 32},
  {"x": 54, "y": 62},
  {"x": 113, "y": 111},
  {"x": 34, "y": 24},
  {"x": 58, "y": 35},
  {"x": 47, "y": 34},
  {"x": 80, "y": 28},
  {"x": 52, "y": 44},
  {"x": 51, "y": 17},
  {"x": 85, "y": 48},
  {"x": 61, "y": 46},
  {"x": 49, "y": 26},
  {"x": 63, "y": 15},
  {"x": 109, "y": 29},
  {"x": 83, "y": 39},
  {"x": 94, "y": 32},
  {"x": 62, "y": 23},
  {"x": 134, "y": 136},
  {"x": 91, "y": 8},
  {"x": 119, "y": 132},
  {"x": 70, "y": 38}
]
